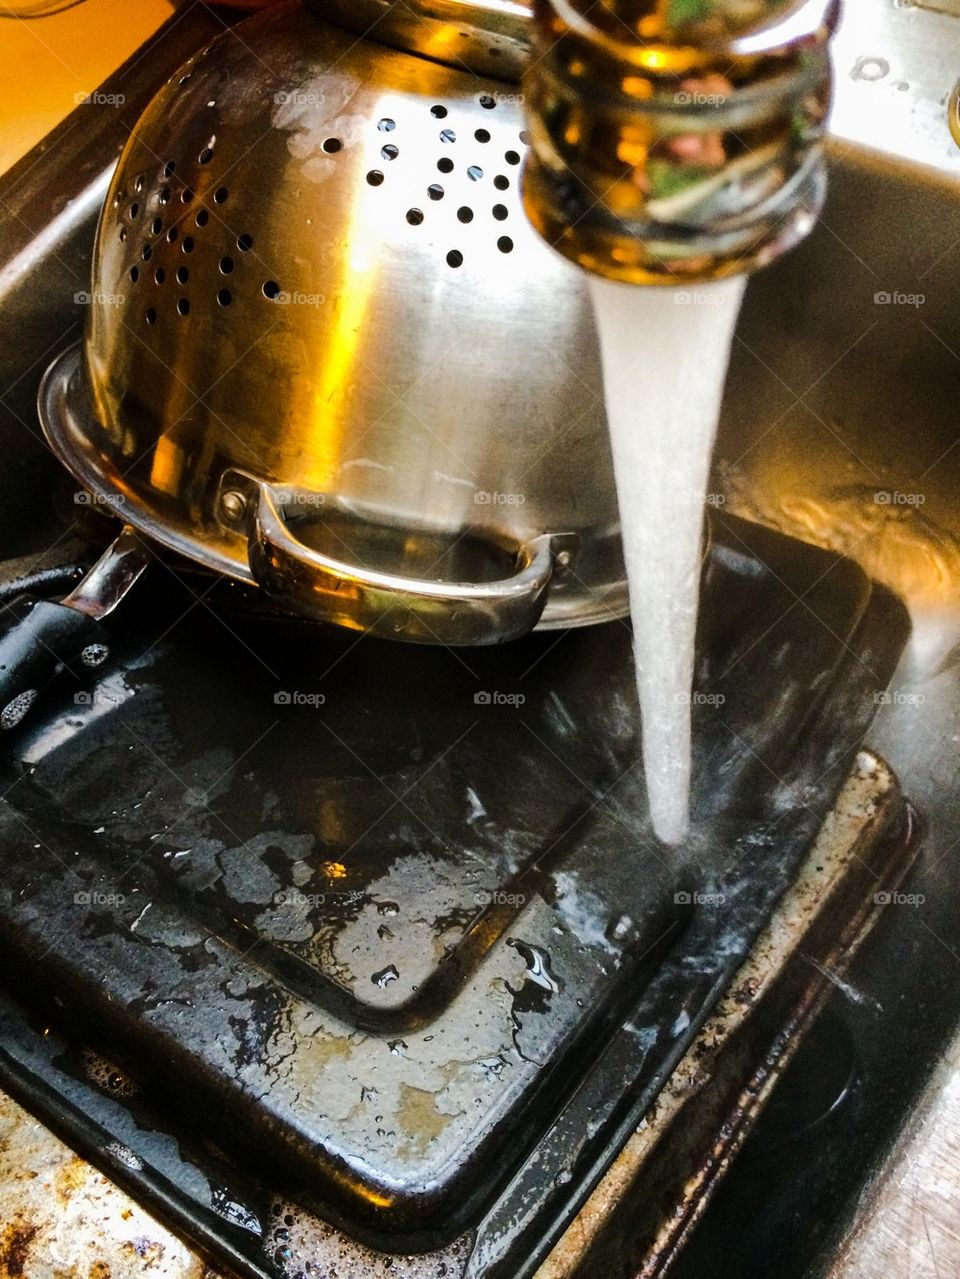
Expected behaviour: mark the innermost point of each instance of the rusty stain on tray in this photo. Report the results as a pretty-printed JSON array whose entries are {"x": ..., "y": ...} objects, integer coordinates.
[{"x": 64, "y": 1220}]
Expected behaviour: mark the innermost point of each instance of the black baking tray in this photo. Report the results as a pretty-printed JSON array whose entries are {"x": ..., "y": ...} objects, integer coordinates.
[{"x": 386, "y": 928}]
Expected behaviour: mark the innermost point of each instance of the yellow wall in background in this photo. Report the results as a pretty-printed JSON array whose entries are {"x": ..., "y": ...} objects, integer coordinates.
[{"x": 46, "y": 62}]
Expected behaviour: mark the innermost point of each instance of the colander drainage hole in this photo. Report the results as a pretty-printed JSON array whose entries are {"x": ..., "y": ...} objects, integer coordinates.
[
  {"x": 445, "y": 165},
  {"x": 186, "y": 195},
  {"x": 134, "y": 273},
  {"x": 501, "y": 212},
  {"x": 187, "y": 244},
  {"x": 183, "y": 306},
  {"x": 332, "y": 146},
  {"x": 435, "y": 191},
  {"x": 160, "y": 275},
  {"x": 134, "y": 209},
  {"x": 224, "y": 297},
  {"x": 501, "y": 183},
  {"x": 474, "y": 173},
  {"x": 271, "y": 289},
  {"x": 454, "y": 258},
  {"x": 481, "y": 135},
  {"x": 414, "y": 216},
  {"x": 164, "y": 195},
  {"x": 512, "y": 157},
  {"x": 389, "y": 152},
  {"x": 226, "y": 266},
  {"x": 202, "y": 218},
  {"x": 438, "y": 112},
  {"x": 123, "y": 234},
  {"x": 147, "y": 253},
  {"x": 464, "y": 214},
  {"x": 157, "y": 226},
  {"x": 448, "y": 136},
  {"x": 375, "y": 178},
  {"x": 220, "y": 195},
  {"x": 487, "y": 102},
  {"x": 505, "y": 244},
  {"x": 172, "y": 235},
  {"x": 206, "y": 155},
  {"x": 169, "y": 169},
  {"x": 386, "y": 125},
  {"x": 183, "y": 275},
  {"x": 245, "y": 243},
  {"x": 524, "y": 137},
  {"x": 151, "y": 316}
]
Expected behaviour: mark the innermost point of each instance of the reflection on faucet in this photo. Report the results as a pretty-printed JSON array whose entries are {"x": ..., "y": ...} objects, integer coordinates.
[{"x": 671, "y": 148}]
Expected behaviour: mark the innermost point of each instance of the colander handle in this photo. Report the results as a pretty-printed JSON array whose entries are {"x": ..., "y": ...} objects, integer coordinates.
[{"x": 428, "y": 612}]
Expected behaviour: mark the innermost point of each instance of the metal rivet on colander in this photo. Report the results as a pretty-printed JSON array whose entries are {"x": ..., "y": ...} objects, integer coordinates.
[{"x": 233, "y": 504}]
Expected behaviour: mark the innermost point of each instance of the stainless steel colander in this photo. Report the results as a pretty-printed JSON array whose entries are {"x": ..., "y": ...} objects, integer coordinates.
[{"x": 327, "y": 354}]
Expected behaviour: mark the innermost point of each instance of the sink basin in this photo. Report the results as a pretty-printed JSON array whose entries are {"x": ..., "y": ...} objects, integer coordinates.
[{"x": 839, "y": 428}]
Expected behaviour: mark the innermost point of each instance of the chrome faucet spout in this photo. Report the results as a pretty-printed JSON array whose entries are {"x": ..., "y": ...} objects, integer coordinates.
[{"x": 676, "y": 141}]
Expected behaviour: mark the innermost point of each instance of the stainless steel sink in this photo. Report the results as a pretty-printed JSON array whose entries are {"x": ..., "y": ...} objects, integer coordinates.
[{"x": 840, "y": 427}]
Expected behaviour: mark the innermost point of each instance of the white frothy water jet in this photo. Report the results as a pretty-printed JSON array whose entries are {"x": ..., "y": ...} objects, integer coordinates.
[{"x": 664, "y": 355}]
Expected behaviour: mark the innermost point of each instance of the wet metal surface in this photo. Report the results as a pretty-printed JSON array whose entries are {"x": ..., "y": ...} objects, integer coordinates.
[
  {"x": 424, "y": 979},
  {"x": 639, "y": 1216},
  {"x": 878, "y": 419}
]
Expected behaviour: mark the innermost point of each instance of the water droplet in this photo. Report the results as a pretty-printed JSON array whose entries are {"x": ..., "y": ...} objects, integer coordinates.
[{"x": 538, "y": 965}]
